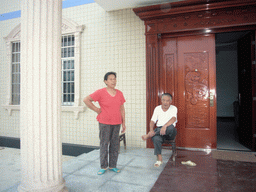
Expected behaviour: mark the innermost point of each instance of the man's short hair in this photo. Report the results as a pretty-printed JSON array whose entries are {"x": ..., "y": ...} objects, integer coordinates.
[
  {"x": 109, "y": 73},
  {"x": 167, "y": 94}
]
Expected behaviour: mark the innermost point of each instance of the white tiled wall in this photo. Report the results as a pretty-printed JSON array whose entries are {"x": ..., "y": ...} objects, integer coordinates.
[
  {"x": 9, "y": 6},
  {"x": 9, "y": 125},
  {"x": 111, "y": 41}
]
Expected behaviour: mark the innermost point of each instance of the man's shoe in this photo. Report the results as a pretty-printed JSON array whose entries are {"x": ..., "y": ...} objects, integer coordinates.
[
  {"x": 190, "y": 163},
  {"x": 158, "y": 163}
]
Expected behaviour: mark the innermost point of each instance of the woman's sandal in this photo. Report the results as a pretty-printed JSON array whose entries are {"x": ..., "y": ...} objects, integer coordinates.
[
  {"x": 101, "y": 171},
  {"x": 158, "y": 163},
  {"x": 115, "y": 170}
]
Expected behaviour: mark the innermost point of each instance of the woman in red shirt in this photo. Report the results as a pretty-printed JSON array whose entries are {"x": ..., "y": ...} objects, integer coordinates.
[{"x": 111, "y": 115}]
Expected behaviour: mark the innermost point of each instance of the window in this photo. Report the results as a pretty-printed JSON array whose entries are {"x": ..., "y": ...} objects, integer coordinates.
[
  {"x": 15, "y": 73},
  {"x": 70, "y": 61},
  {"x": 68, "y": 69}
]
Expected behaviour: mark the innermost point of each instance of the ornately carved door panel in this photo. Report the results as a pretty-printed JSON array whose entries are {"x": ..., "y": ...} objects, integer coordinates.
[
  {"x": 168, "y": 60},
  {"x": 188, "y": 72}
]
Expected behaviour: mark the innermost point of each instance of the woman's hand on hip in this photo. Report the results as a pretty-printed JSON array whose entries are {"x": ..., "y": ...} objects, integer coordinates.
[{"x": 98, "y": 110}]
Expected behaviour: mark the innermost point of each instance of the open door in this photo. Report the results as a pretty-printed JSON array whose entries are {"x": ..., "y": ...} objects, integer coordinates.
[
  {"x": 254, "y": 92},
  {"x": 247, "y": 90},
  {"x": 188, "y": 72}
]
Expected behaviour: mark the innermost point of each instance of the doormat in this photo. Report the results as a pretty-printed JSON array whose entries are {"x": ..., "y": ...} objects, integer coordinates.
[{"x": 234, "y": 156}]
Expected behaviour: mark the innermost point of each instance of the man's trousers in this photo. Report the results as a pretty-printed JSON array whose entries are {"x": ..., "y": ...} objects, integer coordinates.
[{"x": 158, "y": 139}]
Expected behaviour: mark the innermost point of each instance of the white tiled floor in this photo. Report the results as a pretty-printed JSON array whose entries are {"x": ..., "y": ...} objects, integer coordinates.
[{"x": 80, "y": 173}]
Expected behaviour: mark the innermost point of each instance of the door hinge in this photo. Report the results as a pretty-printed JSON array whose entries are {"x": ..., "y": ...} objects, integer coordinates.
[
  {"x": 254, "y": 62},
  {"x": 159, "y": 35},
  {"x": 253, "y": 43},
  {"x": 254, "y": 135}
]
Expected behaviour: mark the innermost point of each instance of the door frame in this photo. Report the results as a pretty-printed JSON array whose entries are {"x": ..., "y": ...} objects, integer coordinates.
[{"x": 183, "y": 18}]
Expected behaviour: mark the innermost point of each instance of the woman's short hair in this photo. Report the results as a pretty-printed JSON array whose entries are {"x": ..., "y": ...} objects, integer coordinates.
[
  {"x": 107, "y": 74},
  {"x": 167, "y": 94}
]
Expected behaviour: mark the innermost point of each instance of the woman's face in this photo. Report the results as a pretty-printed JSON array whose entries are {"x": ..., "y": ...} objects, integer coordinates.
[{"x": 111, "y": 81}]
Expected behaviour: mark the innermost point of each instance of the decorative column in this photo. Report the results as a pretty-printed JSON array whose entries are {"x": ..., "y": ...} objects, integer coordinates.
[{"x": 41, "y": 151}]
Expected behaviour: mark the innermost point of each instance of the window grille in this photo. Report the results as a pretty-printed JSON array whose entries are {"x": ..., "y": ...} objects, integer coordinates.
[
  {"x": 68, "y": 69},
  {"x": 70, "y": 65},
  {"x": 15, "y": 73}
]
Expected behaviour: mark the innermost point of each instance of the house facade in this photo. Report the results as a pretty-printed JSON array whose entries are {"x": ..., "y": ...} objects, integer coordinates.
[
  {"x": 93, "y": 42},
  {"x": 131, "y": 43},
  {"x": 154, "y": 49}
]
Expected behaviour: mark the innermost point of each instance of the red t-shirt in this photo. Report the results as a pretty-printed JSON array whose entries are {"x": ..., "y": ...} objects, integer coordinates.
[{"x": 110, "y": 106}]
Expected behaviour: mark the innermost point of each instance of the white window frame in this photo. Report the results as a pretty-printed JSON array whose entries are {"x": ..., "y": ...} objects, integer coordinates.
[
  {"x": 68, "y": 60},
  {"x": 66, "y": 103},
  {"x": 68, "y": 27},
  {"x": 15, "y": 79}
]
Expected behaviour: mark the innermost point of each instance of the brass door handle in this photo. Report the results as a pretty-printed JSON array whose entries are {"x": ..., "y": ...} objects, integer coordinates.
[{"x": 211, "y": 99}]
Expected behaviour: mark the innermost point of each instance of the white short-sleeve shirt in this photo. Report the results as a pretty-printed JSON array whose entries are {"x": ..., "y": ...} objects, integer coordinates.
[{"x": 162, "y": 117}]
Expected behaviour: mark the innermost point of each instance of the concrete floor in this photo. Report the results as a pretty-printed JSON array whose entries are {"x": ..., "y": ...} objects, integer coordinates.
[{"x": 80, "y": 173}]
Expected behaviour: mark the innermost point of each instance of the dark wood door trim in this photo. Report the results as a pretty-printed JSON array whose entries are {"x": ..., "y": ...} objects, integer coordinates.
[
  {"x": 197, "y": 15},
  {"x": 152, "y": 83},
  {"x": 181, "y": 7},
  {"x": 253, "y": 58}
]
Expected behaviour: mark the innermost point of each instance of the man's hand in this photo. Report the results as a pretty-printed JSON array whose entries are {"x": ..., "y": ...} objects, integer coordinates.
[
  {"x": 163, "y": 130},
  {"x": 151, "y": 133}
]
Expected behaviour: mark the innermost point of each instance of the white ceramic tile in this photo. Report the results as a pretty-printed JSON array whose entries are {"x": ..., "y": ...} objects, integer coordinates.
[
  {"x": 92, "y": 156},
  {"x": 14, "y": 188},
  {"x": 80, "y": 173},
  {"x": 10, "y": 168},
  {"x": 111, "y": 41},
  {"x": 114, "y": 186},
  {"x": 137, "y": 176},
  {"x": 82, "y": 183},
  {"x": 73, "y": 165},
  {"x": 142, "y": 162}
]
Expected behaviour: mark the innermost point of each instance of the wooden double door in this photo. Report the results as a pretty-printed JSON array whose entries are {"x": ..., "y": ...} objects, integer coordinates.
[
  {"x": 184, "y": 63},
  {"x": 187, "y": 71}
]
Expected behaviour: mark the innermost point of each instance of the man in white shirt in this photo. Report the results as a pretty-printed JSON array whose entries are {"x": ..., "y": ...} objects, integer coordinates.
[{"x": 165, "y": 118}]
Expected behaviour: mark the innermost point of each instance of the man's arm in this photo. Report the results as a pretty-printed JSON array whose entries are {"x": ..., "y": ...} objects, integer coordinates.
[
  {"x": 170, "y": 122},
  {"x": 151, "y": 128},
  {"x": 151, "y": 125}
]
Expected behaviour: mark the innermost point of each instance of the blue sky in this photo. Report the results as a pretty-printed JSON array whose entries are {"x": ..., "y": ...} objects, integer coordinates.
[{"x": 65, "y": 4}]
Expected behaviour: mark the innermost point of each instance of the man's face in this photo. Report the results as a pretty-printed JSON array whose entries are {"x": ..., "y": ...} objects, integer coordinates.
[{"x": 166, "y": 102}]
